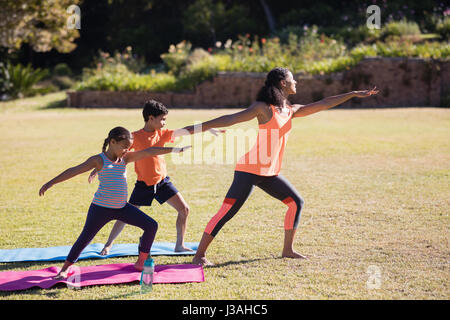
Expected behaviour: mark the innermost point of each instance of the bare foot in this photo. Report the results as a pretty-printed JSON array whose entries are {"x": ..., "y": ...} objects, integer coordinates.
[
  {"x": 293, "y": 255},
  {"x": 202, "y": 261},
  {"x": 105, "y": 250},
  {"x": 182, "y": 249},
  {"x": 61, "y": 275}
]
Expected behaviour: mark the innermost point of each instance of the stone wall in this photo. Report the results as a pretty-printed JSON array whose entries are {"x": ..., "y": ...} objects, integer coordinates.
[{"x": 403, "y": 82}]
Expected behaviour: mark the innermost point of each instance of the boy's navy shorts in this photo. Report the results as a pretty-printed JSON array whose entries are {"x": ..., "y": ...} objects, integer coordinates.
[{"x": 143, "y": 194}]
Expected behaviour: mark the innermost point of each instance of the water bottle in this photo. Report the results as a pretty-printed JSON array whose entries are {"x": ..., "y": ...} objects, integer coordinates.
[{"x": 147, "y": 276}]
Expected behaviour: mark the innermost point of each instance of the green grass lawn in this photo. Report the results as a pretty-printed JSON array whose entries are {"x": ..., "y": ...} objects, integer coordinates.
[{"x": 375, "y": 184}]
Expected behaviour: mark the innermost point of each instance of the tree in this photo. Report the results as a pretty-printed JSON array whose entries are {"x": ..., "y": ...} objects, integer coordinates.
[
  {"x": 201, "y": 18},
  {"x": 40, "y": 23},
  {"x": 207, "y": 21},
  {"x": 269, "y": 15}
]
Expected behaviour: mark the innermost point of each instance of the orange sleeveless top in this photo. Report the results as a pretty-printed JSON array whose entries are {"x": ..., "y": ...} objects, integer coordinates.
[{"x": 266, "y": 156}]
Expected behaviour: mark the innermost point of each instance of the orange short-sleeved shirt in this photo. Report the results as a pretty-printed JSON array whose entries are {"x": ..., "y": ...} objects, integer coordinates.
[{"x": 151, "y": 170}]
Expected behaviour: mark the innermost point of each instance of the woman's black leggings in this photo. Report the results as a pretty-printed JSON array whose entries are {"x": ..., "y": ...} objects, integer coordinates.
[
  {"x": 243, "y": 184},
  {"x": 98, "y": 216}
]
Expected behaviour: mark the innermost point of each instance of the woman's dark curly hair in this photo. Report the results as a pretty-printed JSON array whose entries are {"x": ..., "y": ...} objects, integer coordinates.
[{"x": 271, "y": 92}]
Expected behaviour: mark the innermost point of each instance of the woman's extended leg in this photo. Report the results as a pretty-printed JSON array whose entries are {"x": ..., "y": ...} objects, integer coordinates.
[
  {"x": 280, "y": 188},
  {"x": 238, "y": 193}
]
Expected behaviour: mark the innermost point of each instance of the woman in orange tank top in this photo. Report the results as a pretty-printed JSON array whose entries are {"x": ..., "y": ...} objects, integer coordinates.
[{"x": 261, "y": 165}]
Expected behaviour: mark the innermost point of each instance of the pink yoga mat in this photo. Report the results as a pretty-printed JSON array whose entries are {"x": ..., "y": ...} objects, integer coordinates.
[{"x": 98, "y": 275}]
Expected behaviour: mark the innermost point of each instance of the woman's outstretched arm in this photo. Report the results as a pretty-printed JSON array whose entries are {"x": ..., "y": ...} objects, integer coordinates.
[
  {"x": 91, "y": 163},
  {"x": 183, "y": 132},
  {"x": 330, "y": 102},
  {"x": 227, "y": 120}
]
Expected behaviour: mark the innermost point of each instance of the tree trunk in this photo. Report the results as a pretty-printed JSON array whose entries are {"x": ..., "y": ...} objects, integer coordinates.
[{"x": 269, "y": 15}]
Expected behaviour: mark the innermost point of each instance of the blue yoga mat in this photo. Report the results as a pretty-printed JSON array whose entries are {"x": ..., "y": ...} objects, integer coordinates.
[{"x": 91, "y": 251}]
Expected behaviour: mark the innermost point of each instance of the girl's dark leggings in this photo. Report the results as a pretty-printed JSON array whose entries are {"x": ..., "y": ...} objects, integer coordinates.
[
  {"x": 98, "y": 216},
  {"x": 243, "y": 184}
]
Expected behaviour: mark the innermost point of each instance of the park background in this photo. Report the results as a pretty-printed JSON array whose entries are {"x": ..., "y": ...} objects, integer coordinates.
[{"x": 374, "y": 179}]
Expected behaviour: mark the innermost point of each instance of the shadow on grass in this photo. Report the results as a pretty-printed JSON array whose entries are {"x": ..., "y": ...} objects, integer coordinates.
[
  {"x": 230, "y": 263},
  {"x": 26, "y": 264},
  {"x": 52, "y": 292},
  {"x": 55, "y": 291},
  {"x": 57, "y": 104}
]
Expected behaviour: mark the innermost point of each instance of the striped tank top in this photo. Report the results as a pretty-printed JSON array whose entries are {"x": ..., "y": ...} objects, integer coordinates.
[
  {"x": 112, "y": 191},
  {"x": 266, "y": 156}
]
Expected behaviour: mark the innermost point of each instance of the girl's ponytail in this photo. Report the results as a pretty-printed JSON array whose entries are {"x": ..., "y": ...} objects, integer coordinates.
[
  {"x": 105, "y": 144},
  {"x": 118, "y": 134}
]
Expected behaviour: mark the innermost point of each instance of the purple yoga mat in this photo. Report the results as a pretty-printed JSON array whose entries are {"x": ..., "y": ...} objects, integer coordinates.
[{"x": 98, "y": 275}]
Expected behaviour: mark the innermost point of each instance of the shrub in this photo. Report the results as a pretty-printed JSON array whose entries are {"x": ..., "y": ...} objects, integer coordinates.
[
  {"x": 125, "y": 80},
  {"x": 363, "y": 51},
  {"x": 443, "y": 28},
  {"x": 62, "y": 69},
  {"x": 198, "y": 55},
  {"x": 114, "y": 72},
  {"x": 149, "y": 82},
  {"x": 399, "y": 30},
  {"x": 177, "y": 56},
  {"x": 427, "y": 50},
  {"x": 314, "y": 46},
  {"x": 22, "y": 79},
  {"x": 131, "y": 61},
  {"x": 201, "y": 70},
  {"x": 361, "y": 34},
  {"x": 5, "y": 80},
  {"x": 305, "y": 50}
]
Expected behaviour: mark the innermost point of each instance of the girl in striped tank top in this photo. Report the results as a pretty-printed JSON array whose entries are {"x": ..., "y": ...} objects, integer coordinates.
[
  {"x": 262, "y": 164},
  {"x": 110, "y": 200}
]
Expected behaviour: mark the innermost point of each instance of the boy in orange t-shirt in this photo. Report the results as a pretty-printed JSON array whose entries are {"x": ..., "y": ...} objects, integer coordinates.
[{"x": 152, "y": 179}]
